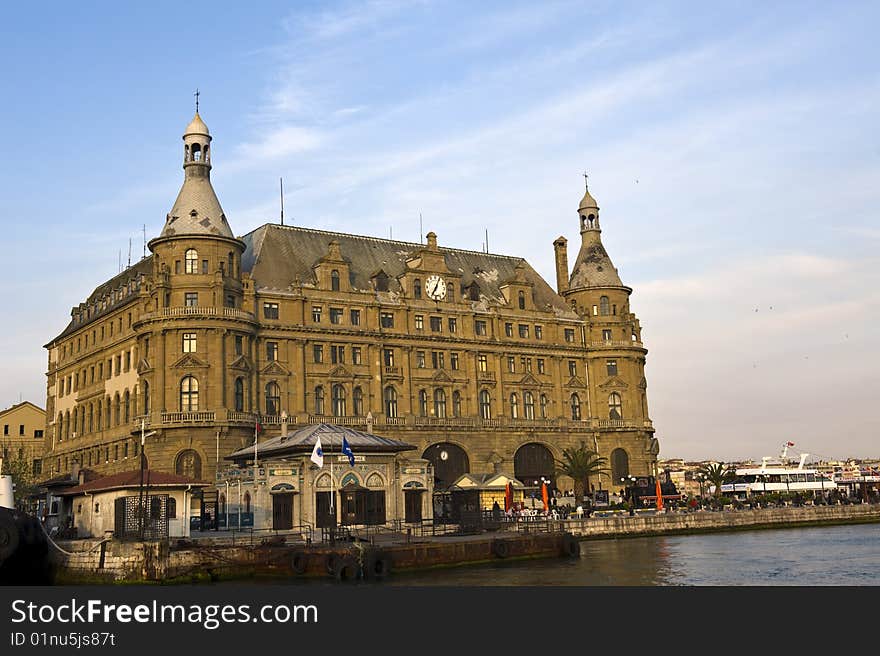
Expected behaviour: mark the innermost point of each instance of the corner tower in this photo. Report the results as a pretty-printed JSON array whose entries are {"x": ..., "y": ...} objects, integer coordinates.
[{"x": 616, "y": 355}]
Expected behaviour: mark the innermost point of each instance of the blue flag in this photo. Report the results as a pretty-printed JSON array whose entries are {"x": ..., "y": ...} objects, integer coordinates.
[{"x": 346, "y": 450}]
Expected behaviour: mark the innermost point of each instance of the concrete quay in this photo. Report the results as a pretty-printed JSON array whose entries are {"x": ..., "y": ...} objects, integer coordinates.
[{"x": 377, "y": 555}]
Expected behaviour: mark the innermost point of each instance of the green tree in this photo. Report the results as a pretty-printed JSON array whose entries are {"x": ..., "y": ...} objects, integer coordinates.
[
  {"x": 23, "y": 481},
  {"x": 717, "y": 474},
  {"x": 580, "y": 464}
]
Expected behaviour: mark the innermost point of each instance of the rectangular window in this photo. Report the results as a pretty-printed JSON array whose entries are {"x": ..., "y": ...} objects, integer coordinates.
[
  {"x": 595, "y": 310},
  {"x": 483, "y": 362},
  {"x": 6, "y": 429},
  {"x": 318, "y": 353},
  {"x": 204, "y": 266},
  {"x": 386, "y": 319},
  {"x": 511, "y": 364},
  {"x": 355, "y": 317},
  {"x": 453, "y": 325},
  {"x": 270, "y": 310},
  {"x": 316, "y": 314},
  {"x": 146, "y": 347},
  {"x": 177, "y": 266},
  {"x": 127, "y": 361},
  {"x": 569, "y": 334},
  {"x": 91, "y": 374},
  {"x": 508, "y": 329},
  {"x": 525, "y": 364},
  {"x": 453, "y": 361},
  {"x": 572, "y": 368},
  {"x": 539, "y": 332},
  {"x": 436, "y": 324},
  {"x": 189, "y": 342},
  {"x": 540, "y": 365},
  {"x": 271, "y": 351},
  {"x": 118, "y": 366},
  {"x": 230, "y": 301},
  {"x": 191, "y": 299},
  {"x": 523, "y": 330},
  {"x": 336, "y": 315},
  {"x": 356, "y": 355},
  {"x": 38, "y": 432},
  {"x": 337, "y": 354},
  {"x": 437, "y": 359},
  {"x": 239, "y": 344},
  {"x": 388, "y": 357},
  {"x": 606, "y": 334},
  {"x": 21, "y": 429},
  {"x": 479, "y": 327},
  {"x": 420, "y": 359},
  {"x": 611, "y": 367},
  {"x": 420, "y": 322}
]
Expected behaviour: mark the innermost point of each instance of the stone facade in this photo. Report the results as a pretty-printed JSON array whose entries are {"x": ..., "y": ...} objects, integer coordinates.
[
  {"x": 471, "y": 357},
  {"x": 23, "y": 435}
]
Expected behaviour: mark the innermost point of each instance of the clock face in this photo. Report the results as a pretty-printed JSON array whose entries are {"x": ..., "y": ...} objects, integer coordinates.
[{"x": 435, "y": 287}]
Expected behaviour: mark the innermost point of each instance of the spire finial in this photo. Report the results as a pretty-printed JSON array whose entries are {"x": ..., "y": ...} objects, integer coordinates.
[
  {"x": 586, "y": 181},
  {"x": 196, "y": 94}
]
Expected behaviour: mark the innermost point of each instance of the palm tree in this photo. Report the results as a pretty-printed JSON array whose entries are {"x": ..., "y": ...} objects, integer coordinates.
[
  {"x": 580, "y": 464},
  {"x": 717, "y": 474}
]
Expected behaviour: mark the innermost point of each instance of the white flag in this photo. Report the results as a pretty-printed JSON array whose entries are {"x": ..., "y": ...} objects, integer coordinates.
[{"x": 318, "y": 453}]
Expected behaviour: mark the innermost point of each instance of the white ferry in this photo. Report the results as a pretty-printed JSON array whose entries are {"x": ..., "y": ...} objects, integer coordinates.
[{"x": 779, "y": 475}]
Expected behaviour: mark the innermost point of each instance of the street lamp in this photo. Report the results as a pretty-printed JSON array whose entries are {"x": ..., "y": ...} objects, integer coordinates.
[{"x": 141, "y": 510}]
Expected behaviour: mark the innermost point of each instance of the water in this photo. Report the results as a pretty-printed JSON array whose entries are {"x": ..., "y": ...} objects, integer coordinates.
[{"x": 817, "y": 556}]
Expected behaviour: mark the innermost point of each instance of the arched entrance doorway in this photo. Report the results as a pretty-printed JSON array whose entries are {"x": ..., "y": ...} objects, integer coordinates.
[
  {"x": 450, "y": 462},
  {"x": 532, "y": 462},
  {"x": 619, "y": 467}
]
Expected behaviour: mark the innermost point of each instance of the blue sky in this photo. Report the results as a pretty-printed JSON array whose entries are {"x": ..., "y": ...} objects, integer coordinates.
[{"x": 732, "y": 147}]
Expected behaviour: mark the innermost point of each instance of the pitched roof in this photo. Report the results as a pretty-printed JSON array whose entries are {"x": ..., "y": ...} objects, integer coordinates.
[
  {"x": 303, "y": 440},
  {"x": 132, "y": 479},
  {"x": 69, "y": 479},
  {"x": 277, "y": 256},
  {"x": 19, "y": 405}
]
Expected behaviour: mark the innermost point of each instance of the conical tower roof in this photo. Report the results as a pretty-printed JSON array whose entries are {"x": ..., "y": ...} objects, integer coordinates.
[{"x": 196, "y": 211}]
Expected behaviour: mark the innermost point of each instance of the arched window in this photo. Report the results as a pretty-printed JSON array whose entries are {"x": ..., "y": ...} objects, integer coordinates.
[
  {"x": 604, "y": 306},
  {"x": 196, "y": 153},
  {"x": 99, "y": 415},
  {"x": 189, "y": 394},
  {"x": 337, "y": 393},
  {"x": 439, "y": 403},
  {"x": 239, "y": 395},
  {"x": 417, "y": 288},
  {"x": 334, "y": 280},
  {"x": 155, "y": 508},
  {"x": 575, "y": 407},
  {"x": 390, "y": 396},
  {"x": 221, "y": 504},
  {"x": 456, "y": 404},
  {"x": 171, "y": 508},
  {"x": 319, "y": 400},
  {"x": 231, "y": 264},
  {"x": 273, "y": 398},
  {"x": 67, "y": 424},
  {"x": 191, "y": 261},
  {"x": 247, "y": 502},
  {"x": 522, "y": 300},
  {"x": 126, "y": 407},
  {"x": 91, "y": 417},
  {"x": 146, "y": 388},
  {"x": 189, "y": 464},
  {"x": 615, "y": 406},
  {"x": 423, "y": 403},
  {"x": 514, "y": 406},
  {"x": 543, "y": 406},
  {"x": 357, "y": 400},
  {"x": 528, "y": 405},
  {"x": 485, "y": 405},
  {"x": 116, "y": 410}
]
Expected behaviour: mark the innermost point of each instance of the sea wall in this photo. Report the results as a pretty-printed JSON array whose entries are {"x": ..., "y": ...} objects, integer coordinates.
[{"x": 624, "y": 525}]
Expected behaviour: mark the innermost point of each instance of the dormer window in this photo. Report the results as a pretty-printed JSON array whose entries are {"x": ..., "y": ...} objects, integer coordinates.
[
  {"x": 191, "y": 261},
  {"x": 380, "y": 281},
  {"x": 417, "y": 288},
  {"x": 522, "y": 300},
  {"x": 334, "y": 280}
]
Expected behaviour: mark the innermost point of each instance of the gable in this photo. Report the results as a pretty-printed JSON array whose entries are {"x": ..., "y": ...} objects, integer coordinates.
[
  {"x": 190, "y": 361},
  {"x": 275, "y": 368},
  {"x": 613, "y": 383}
]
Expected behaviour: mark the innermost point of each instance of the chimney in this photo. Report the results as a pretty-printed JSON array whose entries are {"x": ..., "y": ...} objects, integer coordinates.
[{"x": 561, "y": 251}]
